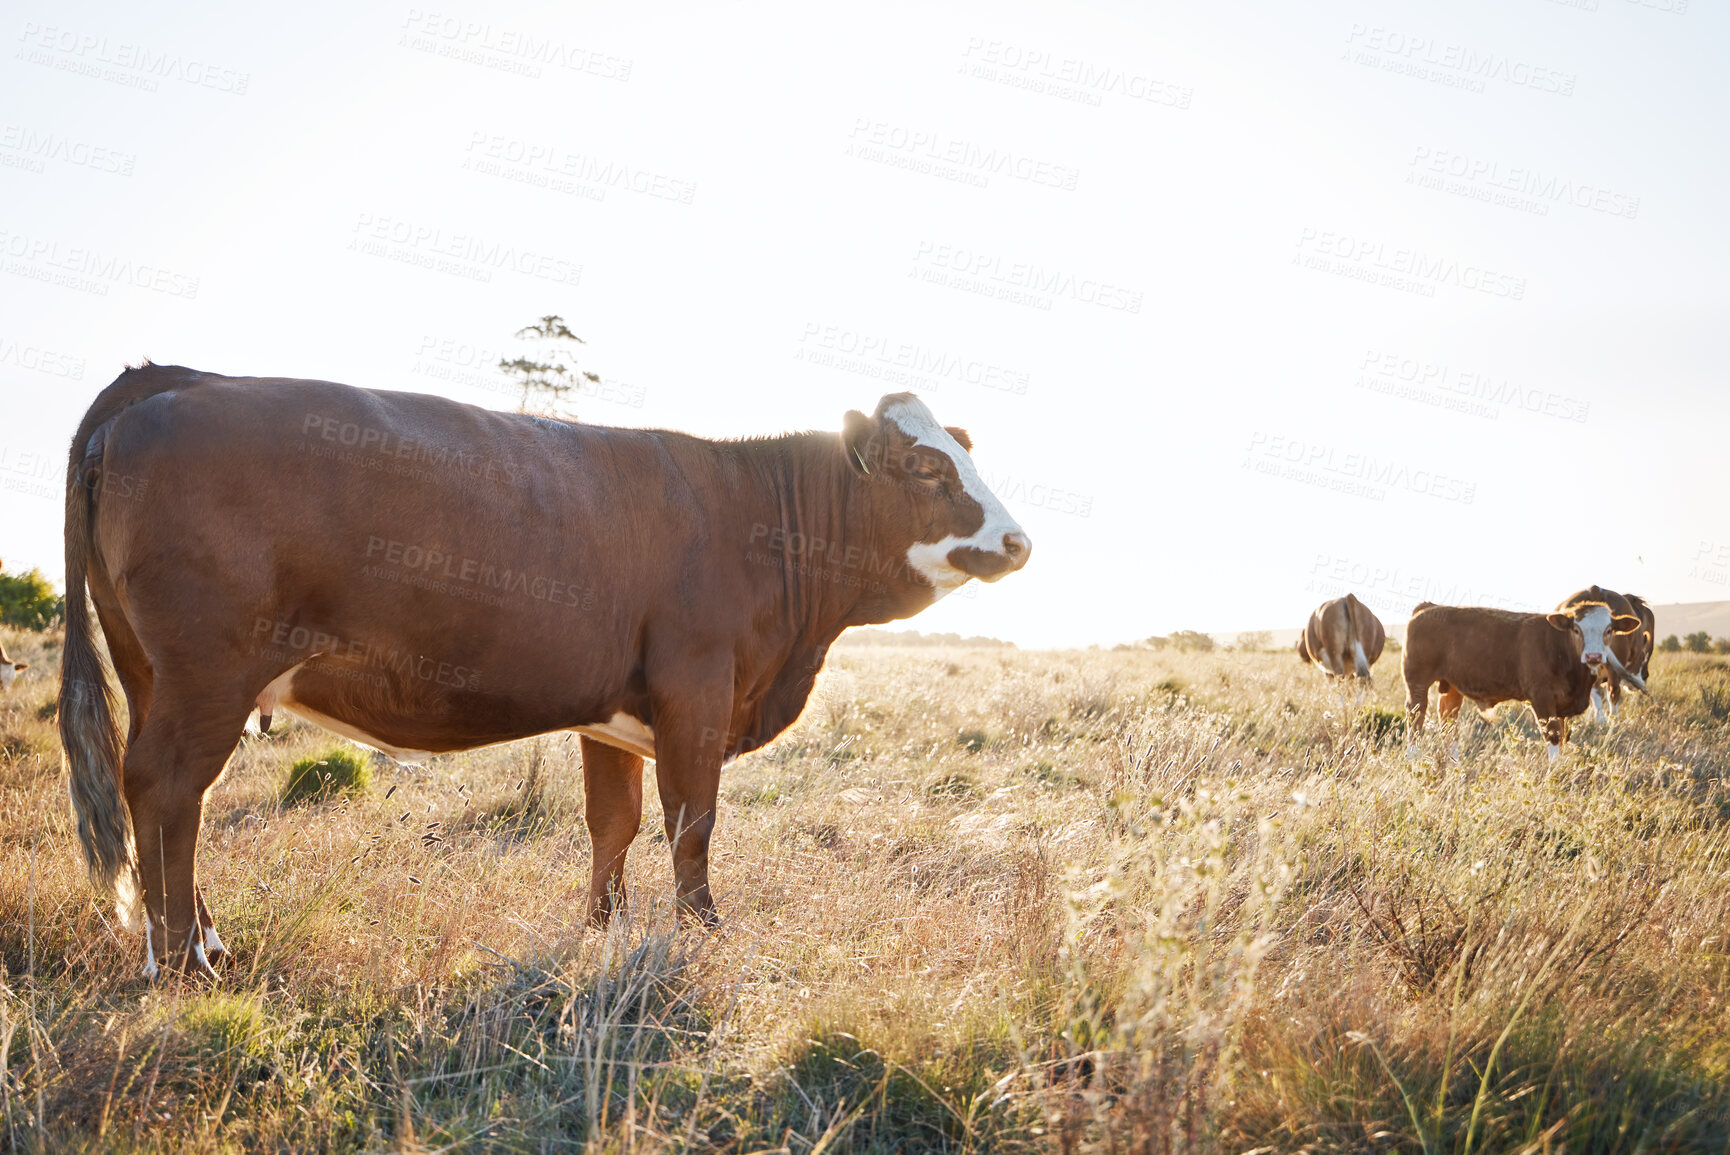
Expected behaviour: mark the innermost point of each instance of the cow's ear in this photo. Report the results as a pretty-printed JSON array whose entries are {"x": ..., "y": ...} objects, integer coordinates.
[
  {"x": 960, "y": 436},
  {"x": 856, "y": 430},
  {"x": 1624, "y": 624},
  {"x": 1563, "y": 622}
]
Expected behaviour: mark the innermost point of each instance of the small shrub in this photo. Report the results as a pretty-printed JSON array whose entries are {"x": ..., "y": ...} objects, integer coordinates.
[
  {"x": 1699, "y": 642},
  {"x": 952, "y": 786},
  {"x": 1670, "y": 645},
  {"x": 1381, "y": 725},
  {"x": 336, "y": 771},
  {"x": 1715, "y": 702},
  {"x": 28, "y": 600}
]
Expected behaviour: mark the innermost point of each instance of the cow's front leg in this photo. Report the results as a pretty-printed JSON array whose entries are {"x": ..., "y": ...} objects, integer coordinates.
[
  {"x": 691, "y": 743},
  {"x": 215, "y": 949}
]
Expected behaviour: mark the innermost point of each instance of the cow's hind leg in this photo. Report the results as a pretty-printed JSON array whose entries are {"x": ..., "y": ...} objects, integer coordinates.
[
  {"x": 613, "y": 810},
  {"x": 1448, "y": 713},
  {"x": 1417, "y": 704},
  {"x": 174, "y": 758}
]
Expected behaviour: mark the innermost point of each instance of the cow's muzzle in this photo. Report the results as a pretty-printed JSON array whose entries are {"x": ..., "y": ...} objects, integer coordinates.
[{"x": 989, "y": 565}]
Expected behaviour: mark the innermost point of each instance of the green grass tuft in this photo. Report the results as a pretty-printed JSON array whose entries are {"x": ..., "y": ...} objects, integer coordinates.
[{"x": 336, "y": 771}]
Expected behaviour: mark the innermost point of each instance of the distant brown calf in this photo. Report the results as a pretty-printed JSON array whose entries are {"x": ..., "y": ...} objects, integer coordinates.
[
  {"x": 1344, "y": 639},
  {"x": 1550, "y": 661}
]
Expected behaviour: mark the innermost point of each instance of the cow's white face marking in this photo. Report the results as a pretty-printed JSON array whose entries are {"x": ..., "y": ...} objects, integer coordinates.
[
  {"x": 625, "y": 732},
  {"x": 1592, "y": 625},
  {"x": 151, "y": 970},
  {"x": 8, "y": 671},
  {"x": 213, "y": 941},
  {"x": 931, "y": 559}
]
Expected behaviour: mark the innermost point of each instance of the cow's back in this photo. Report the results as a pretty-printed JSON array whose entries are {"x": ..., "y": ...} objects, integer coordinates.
[{"x": 464, "y": 534}]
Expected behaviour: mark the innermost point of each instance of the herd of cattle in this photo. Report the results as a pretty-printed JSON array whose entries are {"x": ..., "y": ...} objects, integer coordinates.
[
  {"x": 425, "y": 576},
  {"x": 1559, "y": 662}
]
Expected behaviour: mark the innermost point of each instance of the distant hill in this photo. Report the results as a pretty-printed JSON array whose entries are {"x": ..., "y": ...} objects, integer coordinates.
[
  {"x": 1682, "y": 620},
  {"x": 871, "y": 636}
]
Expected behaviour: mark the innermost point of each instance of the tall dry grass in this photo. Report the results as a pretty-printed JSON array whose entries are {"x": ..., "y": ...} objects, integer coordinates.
[{"x": 974, "y": 900}]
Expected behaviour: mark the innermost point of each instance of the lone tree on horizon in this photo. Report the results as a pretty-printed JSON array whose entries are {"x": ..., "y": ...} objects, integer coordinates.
[{"x": 554, "y": 377}]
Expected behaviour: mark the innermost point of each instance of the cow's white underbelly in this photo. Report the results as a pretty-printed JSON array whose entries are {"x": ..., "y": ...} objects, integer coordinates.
[
  {"x": 352, "y": 733},
  {"x": 623, "y": 731}
]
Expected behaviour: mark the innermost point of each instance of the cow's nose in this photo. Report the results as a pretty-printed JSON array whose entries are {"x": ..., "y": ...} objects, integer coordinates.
[
  {"x": 1017, "y": 547},
  {"x": 1594, "y": 659}
]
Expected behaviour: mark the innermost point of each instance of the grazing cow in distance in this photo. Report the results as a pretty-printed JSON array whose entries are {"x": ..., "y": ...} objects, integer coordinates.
[
  {"x": 9, "y": 669},
  {"x": 422, "y": 576},
  {"x": 1490, "y": 656},
  {"x": 1344, "y": 639},
  {"x": 1632, "y": 650}
]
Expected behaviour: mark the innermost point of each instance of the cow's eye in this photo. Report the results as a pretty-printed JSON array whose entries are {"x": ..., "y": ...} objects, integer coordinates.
[{"x": 927, "y": 475}]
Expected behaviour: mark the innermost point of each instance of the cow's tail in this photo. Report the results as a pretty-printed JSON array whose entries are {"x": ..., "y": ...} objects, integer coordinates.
[
  {"x": 89, "y": 729},
  {"x": 1360, "y": 663}
]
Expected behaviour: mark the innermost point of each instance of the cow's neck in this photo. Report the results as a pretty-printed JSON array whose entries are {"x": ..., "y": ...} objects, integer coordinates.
[{"x": 823, "y": 540}]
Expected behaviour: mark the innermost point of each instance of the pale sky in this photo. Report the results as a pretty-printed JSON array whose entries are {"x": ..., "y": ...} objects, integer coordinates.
[{"x": 1244, "y": 304}]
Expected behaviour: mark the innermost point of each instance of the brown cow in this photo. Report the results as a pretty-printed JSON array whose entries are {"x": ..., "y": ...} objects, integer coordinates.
[
  {"x": 1491, "y": 656},
  {"x": 9, "y": 669},
  {"x": 1344, "y": 639},
  {"x": 1632, "y": 650},
  {"x": 424, "y": 576}
]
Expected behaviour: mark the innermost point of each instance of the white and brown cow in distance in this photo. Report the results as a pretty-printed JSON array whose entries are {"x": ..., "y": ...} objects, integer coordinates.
[
  {"x": 9, "y": 668},
  {"x": 545, "y": 576},
  {"x": 1490, "y": 656},
  {"x": 1343, "y": 639},
  {"x": 1632, "y": 651}
]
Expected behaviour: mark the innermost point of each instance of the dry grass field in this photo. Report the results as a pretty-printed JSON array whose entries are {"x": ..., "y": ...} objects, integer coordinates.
[{"x": 976, "y": 900}]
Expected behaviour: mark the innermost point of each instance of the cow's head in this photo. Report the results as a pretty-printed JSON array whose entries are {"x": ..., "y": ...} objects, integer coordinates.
[
  {"x": 930, "y": 498},
  {"x": 1592, "y": 624}
]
